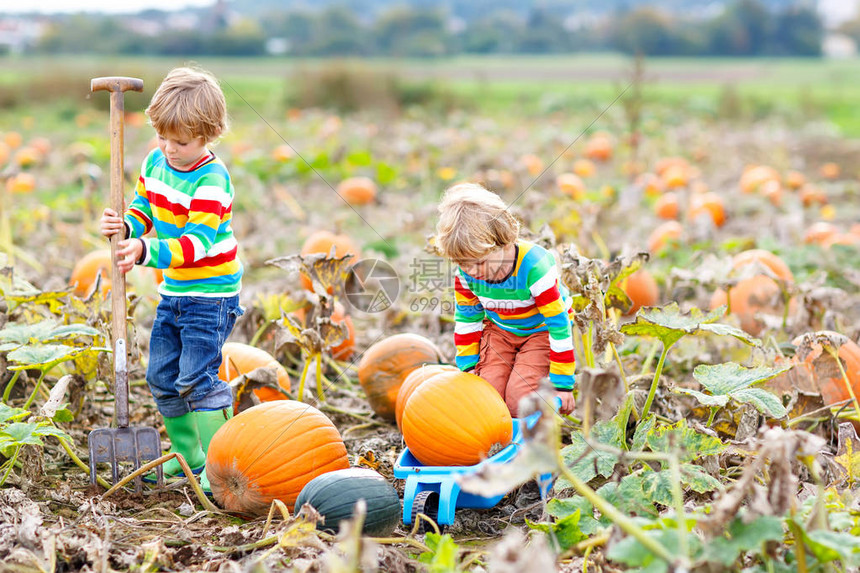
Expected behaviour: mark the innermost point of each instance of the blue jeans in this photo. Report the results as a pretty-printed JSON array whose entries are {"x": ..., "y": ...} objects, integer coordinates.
[{"x": 185, "y": 353}]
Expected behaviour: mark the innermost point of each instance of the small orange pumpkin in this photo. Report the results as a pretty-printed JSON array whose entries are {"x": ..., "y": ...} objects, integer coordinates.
[
  {"x": 85, "y": 272},
  {"x": 667, "y": 206},
  {"x": 571, "y": 184},
  {"x": 756, "y": 294},
  {"x": 21, "y": 183},
  {"x": 455, "y": 419},
  {"x": 663, "y": 234},
  {"x": 357, "y": 190},
  {"x": 599, "y": 147},
  {"x": 238, "y": 358},
  {"x": 387, "y": 363},
  {"x": 642, "y": 290},
  {"x": 413, "y": 381},
  {"x": 271, "y": 451},
  {"x": 709, "y": 204}
]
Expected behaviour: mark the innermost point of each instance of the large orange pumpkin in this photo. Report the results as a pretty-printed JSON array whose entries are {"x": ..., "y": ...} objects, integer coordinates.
[
  {"x": 238, "y": 358},
  {"x": 387, "y": 363},
  {"x": 414, "y": 380},
  {"x": 357, "y": 190},
  {"x": 322, "y": 242},
  {"x": 455, "y": 419},
  {"x": 756, "y": 294},
  {"x": 270, "y": 451}
]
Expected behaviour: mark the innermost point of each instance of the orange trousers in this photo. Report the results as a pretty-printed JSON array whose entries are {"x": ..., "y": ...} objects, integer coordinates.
[{"x": 513, "y": 364}]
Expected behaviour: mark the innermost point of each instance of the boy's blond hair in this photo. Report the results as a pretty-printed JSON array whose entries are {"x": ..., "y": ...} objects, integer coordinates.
[
  {"x": 472, "y": 222},
  {"x": 189, "y": 103}
]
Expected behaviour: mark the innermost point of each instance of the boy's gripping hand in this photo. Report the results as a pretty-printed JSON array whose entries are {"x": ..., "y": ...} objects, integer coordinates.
[
  {"x": 568, "y": 403},
  {"x": 129, "y": 251},
  {"x": 110, "y": 223}
]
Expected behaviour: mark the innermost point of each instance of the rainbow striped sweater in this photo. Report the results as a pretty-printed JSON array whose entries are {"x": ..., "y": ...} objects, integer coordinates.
[
  {"x": 531, "y": 299},
  {"x": 191, "y": 213}
]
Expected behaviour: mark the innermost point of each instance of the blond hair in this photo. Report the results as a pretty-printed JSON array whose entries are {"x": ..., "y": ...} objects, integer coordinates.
[
  {"x": 472, "y": 222},
  {"x": 189, "y": 103}
]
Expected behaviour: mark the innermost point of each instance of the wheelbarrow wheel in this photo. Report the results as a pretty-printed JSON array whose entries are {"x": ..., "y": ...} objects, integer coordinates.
[{"x": 427, "y": 502}]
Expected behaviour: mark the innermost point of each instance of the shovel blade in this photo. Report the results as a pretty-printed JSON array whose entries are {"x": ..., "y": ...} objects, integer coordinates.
[{"x": 135, "y": 445}]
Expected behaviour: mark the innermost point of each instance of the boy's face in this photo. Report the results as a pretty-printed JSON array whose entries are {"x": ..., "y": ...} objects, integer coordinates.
[
  {"x": 181, "y": 151},
  {"x": 493, "y": 266}
]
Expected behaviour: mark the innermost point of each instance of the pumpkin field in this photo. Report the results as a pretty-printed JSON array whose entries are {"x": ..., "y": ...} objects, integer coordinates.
[{"x": 706, "y": 222}]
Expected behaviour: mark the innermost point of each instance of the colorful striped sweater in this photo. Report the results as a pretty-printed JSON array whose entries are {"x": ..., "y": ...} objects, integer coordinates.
[
  {"x": 191, "y": 213},
  {"x": 531, "y": 299}
]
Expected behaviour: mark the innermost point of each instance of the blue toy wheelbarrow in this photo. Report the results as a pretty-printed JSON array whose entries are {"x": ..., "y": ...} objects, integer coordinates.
[{"x": 433, "y": 490}]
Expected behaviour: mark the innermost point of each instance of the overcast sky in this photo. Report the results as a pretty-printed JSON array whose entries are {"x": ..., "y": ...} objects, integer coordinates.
[{"x": 114, "y": 6}]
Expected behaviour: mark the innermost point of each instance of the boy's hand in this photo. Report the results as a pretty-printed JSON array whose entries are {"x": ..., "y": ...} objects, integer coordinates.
[
  {"x": 568, "y": 403},
  {"x": 128, "y": 253},
  {"x": 110, "y": 223}
]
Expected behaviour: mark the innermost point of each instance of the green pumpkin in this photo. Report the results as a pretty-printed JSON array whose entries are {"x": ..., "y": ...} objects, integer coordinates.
[{"x": 334, "y": 495}]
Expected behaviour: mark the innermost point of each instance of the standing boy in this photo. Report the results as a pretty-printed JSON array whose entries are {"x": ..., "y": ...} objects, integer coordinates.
[{"x": 185, "y": 195}]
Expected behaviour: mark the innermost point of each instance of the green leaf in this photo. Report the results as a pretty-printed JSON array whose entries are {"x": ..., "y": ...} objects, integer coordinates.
[
  {"x": 44, "y": 331},
  {"x": 46, "y": 355},
  {"x": 561, "y": 508},
  {"x": 18, "y": 434},
  {"x": 657, "y": 486},
  {"x": 628, "y": 496},
  {"x": 8, "y": 413},
  {"x": 622, "y": 418},
  {"x": 762, "y": 400},
  {"x": 669, "y": 325},
  {"x": 442, "y": 557},
  {"x": 644, "y": 428},
  {"x": 630, "y": 552},
  {"x": 832, "y": 546},
  {"x": 731, "y": 380},
  {"x": 586, "y": 462},
  {"x": 697, "y": 479},
  {"x": 63, "y": 415},
  {"x": 359, "y": 158},
  {"x": 48, "y": 429},
  {"x": 564, "y": 533},
  {"x": 741, "y": 537},
  {"x": 704, "y": 399},
  {"x": 385, "y": 173},
  {"x": 723, "y": 379},
  {"x": 388, "y": 248},
  {"x": 690, "y": 443}
]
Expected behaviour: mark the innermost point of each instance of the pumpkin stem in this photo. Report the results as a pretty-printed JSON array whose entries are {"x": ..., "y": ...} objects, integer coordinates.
[
  {"x": 301, "y": 395},
  {"x": 653, "y": 390}
]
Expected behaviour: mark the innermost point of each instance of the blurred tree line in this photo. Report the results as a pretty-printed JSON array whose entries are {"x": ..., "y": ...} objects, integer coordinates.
[{"x": 742, "y": 28}]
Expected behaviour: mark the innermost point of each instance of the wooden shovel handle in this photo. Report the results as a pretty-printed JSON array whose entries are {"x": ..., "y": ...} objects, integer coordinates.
[{"x": 117, "y": 86}]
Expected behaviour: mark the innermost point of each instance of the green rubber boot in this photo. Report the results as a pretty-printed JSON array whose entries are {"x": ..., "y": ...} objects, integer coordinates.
[
  {"x": 184, "y": 439},
  {"x": 208, "y": 422}
]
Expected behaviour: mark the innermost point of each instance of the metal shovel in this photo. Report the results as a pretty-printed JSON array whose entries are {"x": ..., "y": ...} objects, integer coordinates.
[{"x": 137, "y": 444}]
